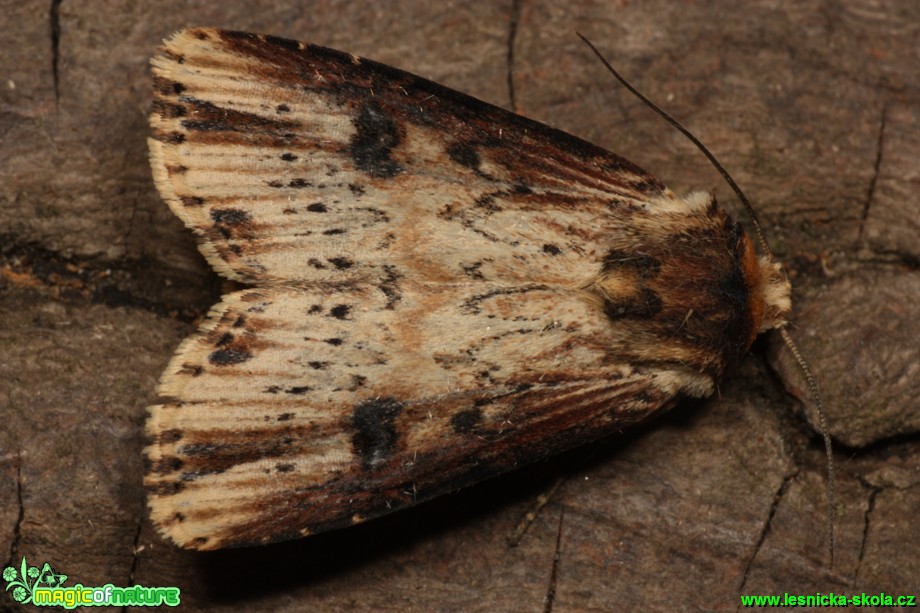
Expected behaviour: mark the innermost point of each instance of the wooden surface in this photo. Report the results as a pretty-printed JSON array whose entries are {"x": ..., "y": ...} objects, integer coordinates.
[{"x": 813, "y": 106}]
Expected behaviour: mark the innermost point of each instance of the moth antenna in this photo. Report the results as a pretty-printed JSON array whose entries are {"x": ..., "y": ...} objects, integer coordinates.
[
  {"x": 822, "y": 421},
  {"x": 693, "y": 139},
  {"x": 803, "y": 365}
]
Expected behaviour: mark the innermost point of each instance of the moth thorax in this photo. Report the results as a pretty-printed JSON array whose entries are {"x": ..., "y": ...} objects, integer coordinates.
[{"x": 694, "y": 293}]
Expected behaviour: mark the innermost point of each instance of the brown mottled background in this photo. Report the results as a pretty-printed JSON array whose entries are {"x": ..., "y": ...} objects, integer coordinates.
[{"x": 813, "y": 105}]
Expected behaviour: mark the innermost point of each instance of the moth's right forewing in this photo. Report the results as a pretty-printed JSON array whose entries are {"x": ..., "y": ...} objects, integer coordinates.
[
  {"x": 295, "y": 412},
  {"x": 283, "y": 157}
]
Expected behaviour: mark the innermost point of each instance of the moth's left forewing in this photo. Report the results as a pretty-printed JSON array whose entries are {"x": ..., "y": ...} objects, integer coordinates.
[{"x": 442, "y": 290}]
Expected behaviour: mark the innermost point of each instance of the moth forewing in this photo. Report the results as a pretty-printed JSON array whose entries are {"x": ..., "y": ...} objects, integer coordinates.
[{"x": 439, "y": 291}]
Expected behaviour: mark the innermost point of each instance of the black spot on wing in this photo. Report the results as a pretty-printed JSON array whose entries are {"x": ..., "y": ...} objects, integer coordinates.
[
  {"x": 473, "y": 270},
  {"x": 173, "y": 435},
  {"x": 487, "y": 201},
  {"x": 192, "y": 200},
  {"x": 232, "y": 350},
  {"x": 357, "y": 381},
  {"x": 465, "y": 155},
  {"x": 375, "y": 436},
  {"x": 230, "y": 216},
  {"x": 341, "y": 263},
  {"x": 466, "y": 421},
  {"x": 167, "y": 87},
  {"x": 228, "y": 356},
  {"x": 191, "y": 370},
  {"x": 167, "y": 110},
  {"x": 373, "y": 143},
  {"x": 389, "y": 285},
  {"x": 646, "y": 305}
]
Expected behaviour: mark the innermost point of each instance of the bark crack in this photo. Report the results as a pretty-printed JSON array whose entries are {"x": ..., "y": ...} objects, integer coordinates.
[
  {"x": 135, "y": 550},
  {"x": 54, "y": 16},
  {"x": 873, "y": 182},
  {"x": 17, "y": 529},
  {"x": 765, "y": 528},
  {"x": 127, "y": 235},
  {"x": 513, "y": 22},
  {"x": 79, "y": 278},
  {"x": 867, "y": 520},
  {"x": 550, "y": 597}
]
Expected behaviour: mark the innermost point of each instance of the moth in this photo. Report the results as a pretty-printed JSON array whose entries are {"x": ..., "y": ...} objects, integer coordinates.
[{"x": 433, "y": 291}]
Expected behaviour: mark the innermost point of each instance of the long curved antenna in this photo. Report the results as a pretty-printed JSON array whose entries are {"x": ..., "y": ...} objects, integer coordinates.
[
  {"x": 803, "y": 365},
  {"x": 693, "y": 139},
  {"x": 822, "y": 421}
]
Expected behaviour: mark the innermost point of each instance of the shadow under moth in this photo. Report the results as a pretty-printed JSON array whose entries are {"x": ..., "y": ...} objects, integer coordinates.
[{"x": 435, "y": 291}]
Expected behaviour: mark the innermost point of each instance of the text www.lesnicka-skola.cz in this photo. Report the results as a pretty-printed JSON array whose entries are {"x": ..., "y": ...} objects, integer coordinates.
[{"x": 829, "y": 600}]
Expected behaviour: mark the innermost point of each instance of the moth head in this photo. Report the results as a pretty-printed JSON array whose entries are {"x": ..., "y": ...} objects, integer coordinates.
[{"x": 770, "y": 291}]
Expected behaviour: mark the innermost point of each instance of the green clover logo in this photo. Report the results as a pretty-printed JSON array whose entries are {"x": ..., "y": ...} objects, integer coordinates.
[
  {"x": 19, "y": 595},
  {"x": 27, "y": 578}
]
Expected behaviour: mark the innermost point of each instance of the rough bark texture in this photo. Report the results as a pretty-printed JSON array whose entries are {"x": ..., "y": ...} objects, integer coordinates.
[{"x": 813, "y": 106}]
